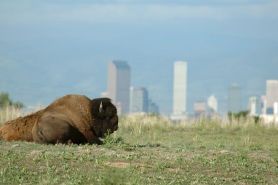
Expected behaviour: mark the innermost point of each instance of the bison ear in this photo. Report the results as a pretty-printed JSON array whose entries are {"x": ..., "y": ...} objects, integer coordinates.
[{"x": 100, "y": 109}]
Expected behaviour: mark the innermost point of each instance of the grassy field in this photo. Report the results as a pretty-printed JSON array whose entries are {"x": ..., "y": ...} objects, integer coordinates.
[{"x": 151, "y": 150}]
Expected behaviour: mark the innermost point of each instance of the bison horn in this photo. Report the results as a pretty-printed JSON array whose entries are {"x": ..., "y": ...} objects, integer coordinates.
[{"x": 100, "y": 107}]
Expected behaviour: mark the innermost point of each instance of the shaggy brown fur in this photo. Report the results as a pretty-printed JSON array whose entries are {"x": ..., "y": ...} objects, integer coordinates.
[
  {"x": 70, "y": 119},
  {"x": 20, "y": 128}
]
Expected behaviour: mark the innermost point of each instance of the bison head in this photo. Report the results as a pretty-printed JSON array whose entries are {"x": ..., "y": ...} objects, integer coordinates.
[{"x": 105, "y": 117}]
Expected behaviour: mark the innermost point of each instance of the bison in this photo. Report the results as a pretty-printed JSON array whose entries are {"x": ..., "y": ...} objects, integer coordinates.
[{"x": 70, "y": 119}]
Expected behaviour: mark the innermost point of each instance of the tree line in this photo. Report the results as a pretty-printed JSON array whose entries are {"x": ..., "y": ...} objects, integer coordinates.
[{"x": 6, "y": 101}]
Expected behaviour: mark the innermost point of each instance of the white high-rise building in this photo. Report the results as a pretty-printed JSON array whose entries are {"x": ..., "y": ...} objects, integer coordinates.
[
  {"x": 271, "y": 95},
  {"x": 254, "y": 106},
  {"x": 180, "y": 90},
  {"x": 275, "y": 107},
  {"x": 212, "y": 104}
]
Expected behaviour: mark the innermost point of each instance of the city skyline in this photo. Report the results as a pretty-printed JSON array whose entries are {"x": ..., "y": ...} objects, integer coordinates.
[
  {"x": 242, "y": 106},
  {"x": 50, "y": 48}
]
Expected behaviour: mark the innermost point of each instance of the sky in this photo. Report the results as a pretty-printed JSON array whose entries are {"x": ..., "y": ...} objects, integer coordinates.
[{"x": 52, "y": 48}]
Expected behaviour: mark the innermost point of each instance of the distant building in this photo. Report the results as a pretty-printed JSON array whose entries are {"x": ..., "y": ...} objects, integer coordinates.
[
  {"x": 180, "y": 90},
  {"x": 275, "y": 107},
  {"x": 270, "y": 103},
  {"x": 234, "y": 99},
  {"x": 200, "y": 108},
  {"x": 271, "y": 95},
  {"x": 254, "y": 106},
  {"x": 153, "y": 107},
  {"x": 263, "y": 104},
  {"x": 139, "y": 100},
  {"x": 119, "y": 85},
  {"x": 212, "y": 104}
]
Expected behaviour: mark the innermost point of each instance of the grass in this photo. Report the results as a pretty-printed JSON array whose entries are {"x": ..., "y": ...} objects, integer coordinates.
[
  {"x": 8, "y": 113},
  {"x": 151, "y": 150}
]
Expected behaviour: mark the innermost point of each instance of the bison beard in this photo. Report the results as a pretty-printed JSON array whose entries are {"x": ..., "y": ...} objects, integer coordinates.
[{"x": 70, "y": 119}]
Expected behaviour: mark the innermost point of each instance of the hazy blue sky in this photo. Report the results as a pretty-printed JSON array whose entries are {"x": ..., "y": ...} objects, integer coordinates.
[{"x": 50, "y": 48}]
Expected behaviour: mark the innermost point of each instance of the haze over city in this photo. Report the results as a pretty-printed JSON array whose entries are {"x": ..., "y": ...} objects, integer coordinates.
[{"x": 51, "y": 48}]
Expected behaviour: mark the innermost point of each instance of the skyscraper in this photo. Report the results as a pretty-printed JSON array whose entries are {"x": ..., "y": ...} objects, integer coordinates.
[
  {"x": 212, "y": 104},
  {"x": 271, "y": 95},
  {"x": 180, "y": 90},
  {"x": 119, "y": 84},
  {"x": 234, "y": 99},
  {"x": 138, "y": 100},
  {"x": 254, "y": 106}
]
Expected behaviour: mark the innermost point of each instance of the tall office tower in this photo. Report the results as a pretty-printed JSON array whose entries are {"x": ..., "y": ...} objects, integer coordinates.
[
  {"x": 153, "y": 107},
  {"x": 138, "y": 100},
  {"x": 212, "y": 104},
  {"x": 253, "y": 106},
  {"x": 234, "y": 99},
  {"x": 180, "y": 90},
  {"x": 119, "y": 85},
  {"x": 271, "y": 95}
]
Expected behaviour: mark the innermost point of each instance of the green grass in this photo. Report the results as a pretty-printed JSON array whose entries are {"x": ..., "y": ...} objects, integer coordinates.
[{"x": 151, "y": 150}]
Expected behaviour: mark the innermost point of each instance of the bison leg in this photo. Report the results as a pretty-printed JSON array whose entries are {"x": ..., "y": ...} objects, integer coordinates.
[{"x": 54, "y": 130}]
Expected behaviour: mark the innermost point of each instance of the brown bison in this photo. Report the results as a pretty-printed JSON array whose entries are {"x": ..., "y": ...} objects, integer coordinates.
[{"x": 70, "y": 119}]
